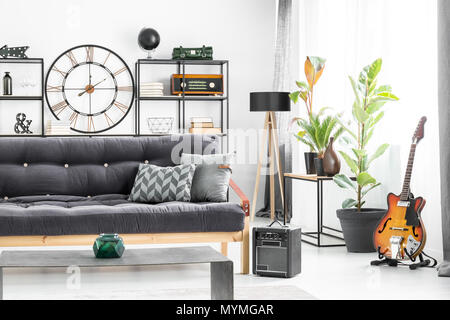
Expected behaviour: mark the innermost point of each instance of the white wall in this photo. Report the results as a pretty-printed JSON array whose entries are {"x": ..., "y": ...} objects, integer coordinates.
[
  {"x": 351, "y": 34},
  {"x": 240, "y": 31}
]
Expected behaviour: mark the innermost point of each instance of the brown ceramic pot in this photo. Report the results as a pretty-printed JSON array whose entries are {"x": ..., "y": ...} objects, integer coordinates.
[{"x": 331, "y": 162}]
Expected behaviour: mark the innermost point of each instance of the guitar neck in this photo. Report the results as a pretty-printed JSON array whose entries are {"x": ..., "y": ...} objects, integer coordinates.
[{"x": 406, "y": 182}]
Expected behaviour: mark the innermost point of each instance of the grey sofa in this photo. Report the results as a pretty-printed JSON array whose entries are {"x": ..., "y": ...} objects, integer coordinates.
[{"x": 65, "y": 191}]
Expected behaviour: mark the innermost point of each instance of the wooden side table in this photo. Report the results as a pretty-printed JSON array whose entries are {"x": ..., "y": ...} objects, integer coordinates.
[{"x": 318, "y": 180}]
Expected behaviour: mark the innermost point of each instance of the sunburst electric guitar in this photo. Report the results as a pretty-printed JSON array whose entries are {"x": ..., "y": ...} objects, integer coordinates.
[{"x": 401, "y": 233}]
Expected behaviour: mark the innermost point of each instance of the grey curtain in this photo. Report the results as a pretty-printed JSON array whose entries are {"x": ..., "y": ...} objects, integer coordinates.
[
  {"x": 444, "y": 125},
  {"x": 282, "y": 82}
]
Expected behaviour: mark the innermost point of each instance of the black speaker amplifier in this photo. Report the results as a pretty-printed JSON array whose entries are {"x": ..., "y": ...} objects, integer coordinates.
[{"x": 277, "y": 252}]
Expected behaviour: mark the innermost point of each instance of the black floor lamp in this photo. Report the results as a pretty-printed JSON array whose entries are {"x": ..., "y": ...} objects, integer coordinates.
[{"x": 269, "y": 102}]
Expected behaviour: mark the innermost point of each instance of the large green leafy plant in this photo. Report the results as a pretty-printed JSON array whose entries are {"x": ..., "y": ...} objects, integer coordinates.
[{"x": 366, "y": 111}]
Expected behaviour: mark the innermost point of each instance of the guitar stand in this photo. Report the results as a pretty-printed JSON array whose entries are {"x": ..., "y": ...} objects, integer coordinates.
[
  {"x": 389, "y": 262},
  {"x": 423, "y": 263},
  {"x": 394, "y": 263}
]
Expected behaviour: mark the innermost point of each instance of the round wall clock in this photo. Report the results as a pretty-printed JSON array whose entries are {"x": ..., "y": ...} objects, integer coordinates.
[{"x": 90, "y": 87}]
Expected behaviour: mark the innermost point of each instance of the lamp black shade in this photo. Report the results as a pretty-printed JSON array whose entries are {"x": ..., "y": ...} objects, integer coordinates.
[{"x": 270, "y": 101}]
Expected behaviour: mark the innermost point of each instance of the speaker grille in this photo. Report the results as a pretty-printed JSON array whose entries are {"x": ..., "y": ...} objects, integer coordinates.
[{"x": 274, "y": 258}]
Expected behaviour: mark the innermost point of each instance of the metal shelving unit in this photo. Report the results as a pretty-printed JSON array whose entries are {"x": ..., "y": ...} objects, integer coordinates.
[
  {"x": 27, "y": 98},
  {"x": 183, "y": 99}
]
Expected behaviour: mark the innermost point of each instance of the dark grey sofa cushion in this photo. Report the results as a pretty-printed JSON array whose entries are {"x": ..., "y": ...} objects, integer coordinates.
[
  {"x": 72, "y": 215},
  {"x": 36, "y": 166}
]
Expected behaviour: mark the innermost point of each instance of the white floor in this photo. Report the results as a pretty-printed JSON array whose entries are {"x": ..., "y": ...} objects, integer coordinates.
[{"x": 327, "y": 273}]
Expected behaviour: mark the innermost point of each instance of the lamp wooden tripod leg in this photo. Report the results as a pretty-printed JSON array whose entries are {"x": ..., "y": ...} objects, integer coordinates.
[{"x": 270, "y": 129}]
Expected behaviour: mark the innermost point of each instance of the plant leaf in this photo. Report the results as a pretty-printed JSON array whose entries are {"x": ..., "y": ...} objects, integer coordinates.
[
  {"x": 346, "y": 139},
  {"x": 302, "y": 85},
  {"x": 367, "y": 138},
  {"x": 301, "y": 134},
  {"x": 384, "y": 88},
  {"x": 322, "y": 111},
  {"x": 388, "y": 95},
  {"x": 370, "y": 72},
  {"x": 364, "y": 164},
  {"x": 370, "y": 188},
  {"x": 306, "y": 142},
  {"x": 350, "y": 162},
  {"x": 313, "y": 69},
  {"x": 360, "y": 114},
  {"x": 348, "y": 203},
  {"x": 353, "y": 135},
  {"x": 344, "y": 182},
  {"x": 374, "y": 106},
  {"x": 355, "y": 90},
  {"x": 381, "y": 149},
  {"x": 304, "y": 95},
  {"x": 365, "y": 179},
  {"x": 374, "y": 69},
  {"x": 294, "y": 96},
  {"x": 378, "y": 118},
  {"x": 359, "y": 153}
]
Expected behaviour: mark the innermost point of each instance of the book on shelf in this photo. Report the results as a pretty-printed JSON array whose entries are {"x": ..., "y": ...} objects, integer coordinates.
[
  {"x": 58, "y": 128},
  {"x": 205, "y": 130},
  {"x": 201, "y": 119},
  {"x": 202, "y": 124}
]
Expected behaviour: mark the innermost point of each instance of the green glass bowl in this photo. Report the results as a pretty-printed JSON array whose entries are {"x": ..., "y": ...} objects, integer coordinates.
[{"x": 108, "y": 246}]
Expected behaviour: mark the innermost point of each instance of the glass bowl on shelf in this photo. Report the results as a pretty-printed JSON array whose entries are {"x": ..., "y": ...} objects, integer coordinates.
[{"x": 160, "y": 125}]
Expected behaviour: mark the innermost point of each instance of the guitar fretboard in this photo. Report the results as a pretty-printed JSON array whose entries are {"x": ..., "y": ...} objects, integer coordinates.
[{"x": 405, "y": 190}]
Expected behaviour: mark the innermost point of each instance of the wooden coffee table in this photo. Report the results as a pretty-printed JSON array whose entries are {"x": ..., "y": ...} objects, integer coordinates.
[{"x": 221, "y": 266}]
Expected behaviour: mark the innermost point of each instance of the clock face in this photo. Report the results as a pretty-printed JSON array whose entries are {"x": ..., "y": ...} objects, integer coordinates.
[{"x": 90, "y": 87}]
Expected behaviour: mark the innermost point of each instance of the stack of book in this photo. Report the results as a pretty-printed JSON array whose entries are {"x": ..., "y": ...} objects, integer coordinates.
[
  {"x": 203, "y": 125},
  {"x": 152, "y": 89},
  {"x": 58, "y": 128}
]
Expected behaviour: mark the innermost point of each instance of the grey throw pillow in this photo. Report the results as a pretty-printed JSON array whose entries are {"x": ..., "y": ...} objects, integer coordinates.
[
  {"x": 155, "y": 184},
  {"x": 211, "y": 177}
]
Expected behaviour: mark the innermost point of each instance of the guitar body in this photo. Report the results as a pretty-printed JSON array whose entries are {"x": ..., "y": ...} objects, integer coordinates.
[{"x": 401, "y": 229}]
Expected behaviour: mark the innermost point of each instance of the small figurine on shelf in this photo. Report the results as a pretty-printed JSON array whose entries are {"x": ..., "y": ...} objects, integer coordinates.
[
  {"x": 7, "y": 84},
  {"x": 23, "y": 124}
]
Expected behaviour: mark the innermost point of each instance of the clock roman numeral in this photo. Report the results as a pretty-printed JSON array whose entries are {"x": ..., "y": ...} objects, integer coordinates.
[
  {"x": 120, "y": 71},
  {"x": 64, "y": 74},
  {"x": 73, "y": 119},
  {"x": 106, "y": 59},
  {"x": 89, "y": 54},
  {"x": 54, "y": 88},
  {"x": 91, "y": 126},
  {"x": 126, "y": 88},
  {"x": 72, "y": 58},
  {"x": 121, "y": 106},
  {"x": 59, "y": 107},
  {"x": 108, "y": 120}
]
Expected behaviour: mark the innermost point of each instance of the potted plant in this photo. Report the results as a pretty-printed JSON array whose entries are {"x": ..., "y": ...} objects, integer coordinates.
[
  {"x": 358, "y": 223},
  {"x": 316, "y": 133},
  {"x": 313, "y": 70}
]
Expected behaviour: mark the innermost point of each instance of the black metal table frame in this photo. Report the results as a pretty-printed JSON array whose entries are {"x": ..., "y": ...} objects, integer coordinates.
[{"x": 320, "y": 226}]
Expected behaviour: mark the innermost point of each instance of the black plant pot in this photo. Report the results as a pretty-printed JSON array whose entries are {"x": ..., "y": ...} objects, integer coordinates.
[
  {"x": 318, "y": 163},
  {"x": 309, "y": 162},
  {"x": 358, "y": 227}
]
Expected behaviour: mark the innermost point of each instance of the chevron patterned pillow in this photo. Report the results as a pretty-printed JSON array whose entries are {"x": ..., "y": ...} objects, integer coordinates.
[{"x": 155, "y": 184}]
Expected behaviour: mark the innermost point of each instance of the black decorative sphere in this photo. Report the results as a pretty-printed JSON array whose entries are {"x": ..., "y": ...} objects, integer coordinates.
[{"x": 148, "y": 39}]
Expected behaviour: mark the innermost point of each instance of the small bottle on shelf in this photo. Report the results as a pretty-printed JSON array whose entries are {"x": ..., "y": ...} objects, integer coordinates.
[{"x": 7, "y": 84}]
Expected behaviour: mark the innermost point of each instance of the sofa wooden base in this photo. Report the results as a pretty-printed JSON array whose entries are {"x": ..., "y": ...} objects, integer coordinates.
[{"x": 145, "y": 238}]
